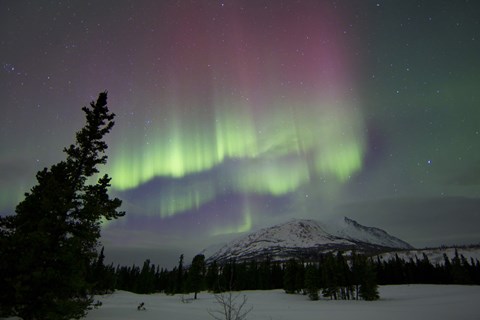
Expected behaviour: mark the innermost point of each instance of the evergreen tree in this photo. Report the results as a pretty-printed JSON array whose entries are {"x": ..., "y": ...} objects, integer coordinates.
[
  {"x": 344, "y": 277},
  {"x": 179, "y": 286},
  {"x": 277, "y": 276},
  {"x": 330, "y": 277},
  {"x": 300, "y": 276},
  {"x": 290, "y": 275},
  {"x": 212, "y": 278},
  {"x": 459, "y": 269},
  {"x": 447, "y": 269},
  {"x": 368, "y": 281},
  {"x": 357, "y": 269},
  {"x": 311, "y": 282},
  {"x": 158, "y": 285},
  {"x": 243, "y": 281},
  {"x": 52, "y": 240},
  {"x": 171, "y": 281},
  {"x": 264, "y": 275},
  {"x": 101, "y": 276},
  {"x": 196, "y": 274},
  {"x": 252, "y": 275},
  {"x": 145, "y": 282},
  {"x": 228, "y": 276}
]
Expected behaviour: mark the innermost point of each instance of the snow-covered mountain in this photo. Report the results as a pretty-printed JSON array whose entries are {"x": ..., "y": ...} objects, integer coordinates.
[
  {"x": 352, "y": 230},
  {"x": 307, "y": 239}
]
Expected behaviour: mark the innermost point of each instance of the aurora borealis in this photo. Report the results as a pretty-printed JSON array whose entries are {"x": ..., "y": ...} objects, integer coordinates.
[{"x": 234, "y": 115}]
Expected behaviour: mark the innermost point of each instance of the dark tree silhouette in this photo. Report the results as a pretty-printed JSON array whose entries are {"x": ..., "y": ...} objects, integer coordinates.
[
  {"x": 212, "y": 278},
  {"x": 179, "y": 285},
  {"x": 52, "y": 241},
  {"x": 311, "y": 282},
  {"x": 368, "y": 281},
  {"x": 196, "y": 274},
  {"x": 290, "y": 284}
]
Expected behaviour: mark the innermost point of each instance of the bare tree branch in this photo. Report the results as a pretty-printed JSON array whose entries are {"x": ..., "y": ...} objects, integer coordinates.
[{"x": 231, "y": 308}]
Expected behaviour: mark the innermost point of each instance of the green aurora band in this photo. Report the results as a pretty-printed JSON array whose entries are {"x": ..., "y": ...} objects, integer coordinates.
[{"x": 272, "y": 154}]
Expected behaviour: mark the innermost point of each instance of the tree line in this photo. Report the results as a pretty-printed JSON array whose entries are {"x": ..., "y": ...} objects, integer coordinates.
[
  {"x": 458, "y": 270},
  {"x": 333, "y": 276}
]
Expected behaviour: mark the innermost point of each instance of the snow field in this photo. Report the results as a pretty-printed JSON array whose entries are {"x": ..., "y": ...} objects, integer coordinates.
[{"x": 397, "y": 302}]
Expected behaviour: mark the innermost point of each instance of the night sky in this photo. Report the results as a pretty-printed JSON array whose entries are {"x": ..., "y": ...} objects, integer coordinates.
[{"x": 236, "y": 115}]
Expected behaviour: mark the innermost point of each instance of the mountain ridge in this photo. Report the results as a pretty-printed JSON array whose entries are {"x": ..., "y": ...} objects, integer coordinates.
[{"x": 307, "y": 239}]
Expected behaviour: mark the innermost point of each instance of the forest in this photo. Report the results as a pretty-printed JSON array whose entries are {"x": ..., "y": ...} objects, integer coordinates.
[{"x": 334, "y": 276}]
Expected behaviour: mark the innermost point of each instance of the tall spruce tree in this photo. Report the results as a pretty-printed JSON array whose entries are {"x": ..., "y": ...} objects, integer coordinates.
[
  {"x": 368, "y": 281},
  {"x": 179, "y": 285},
  {"x": 196, "y": 274},
  {"x": 290, "y": 285},
  {"x": 311, "y": 282},
  {"x": 330, "y": 277},
  {"x": 101, "y": 276},
  {"x": 146, "y": 279},
  {"x": 52, "y": 241},
  {"x": 212, "y": 278}
]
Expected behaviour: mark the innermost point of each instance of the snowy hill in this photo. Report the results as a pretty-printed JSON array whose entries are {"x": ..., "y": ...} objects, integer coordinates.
[
  {"x": 307, "y": 239},
  {"x": 350, "y": 229}
]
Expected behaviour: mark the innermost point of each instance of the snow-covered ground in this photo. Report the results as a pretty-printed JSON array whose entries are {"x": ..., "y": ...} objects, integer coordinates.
[{"x": 397, "y": 302}]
